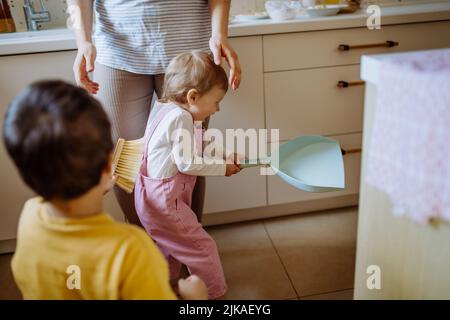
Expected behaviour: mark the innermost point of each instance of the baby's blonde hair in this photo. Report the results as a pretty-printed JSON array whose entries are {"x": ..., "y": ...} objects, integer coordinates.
[{"x": 192, "y": 70}]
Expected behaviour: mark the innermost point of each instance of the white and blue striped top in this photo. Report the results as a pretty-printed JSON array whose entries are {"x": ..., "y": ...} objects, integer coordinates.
[{"x": 142, "y": 36}]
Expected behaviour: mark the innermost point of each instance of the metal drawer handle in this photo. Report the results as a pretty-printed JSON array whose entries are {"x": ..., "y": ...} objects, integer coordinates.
[
  {"x": 387, "y": 44},
  {"x": 345, "y": 84},
  {"x": 354, "y": 150}
]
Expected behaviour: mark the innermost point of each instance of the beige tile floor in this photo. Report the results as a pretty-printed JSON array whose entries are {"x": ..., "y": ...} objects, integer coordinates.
[{"x": 307, "y": 256}]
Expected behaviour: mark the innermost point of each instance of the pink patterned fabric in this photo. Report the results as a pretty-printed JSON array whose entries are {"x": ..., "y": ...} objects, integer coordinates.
[{"x": 409, "y": 152}]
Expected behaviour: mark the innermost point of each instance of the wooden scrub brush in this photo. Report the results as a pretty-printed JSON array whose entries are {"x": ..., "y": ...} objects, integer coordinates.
[{"x": 126, "y": 161}]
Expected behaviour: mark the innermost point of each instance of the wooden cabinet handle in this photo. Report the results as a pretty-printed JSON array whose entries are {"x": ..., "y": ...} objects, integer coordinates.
[
  {"x": 345, "y": 84},
  {"x": 387, "y": 44},
  {"x": 347, "y": 151}
]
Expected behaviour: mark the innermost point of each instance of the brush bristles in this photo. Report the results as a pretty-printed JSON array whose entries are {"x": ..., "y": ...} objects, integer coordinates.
[{"x": 128, "y": 164}]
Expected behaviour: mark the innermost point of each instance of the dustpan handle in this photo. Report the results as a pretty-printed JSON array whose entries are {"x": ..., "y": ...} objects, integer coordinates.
[{"x": 249, "y": 163}]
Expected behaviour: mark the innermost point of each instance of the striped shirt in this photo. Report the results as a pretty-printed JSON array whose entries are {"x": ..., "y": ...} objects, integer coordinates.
[{"x": 142, "y": 36}]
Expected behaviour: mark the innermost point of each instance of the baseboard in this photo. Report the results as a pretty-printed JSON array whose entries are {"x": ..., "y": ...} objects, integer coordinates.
[
  {"x": 212, "y": 219},
  {"x": 7, "y": 246}
]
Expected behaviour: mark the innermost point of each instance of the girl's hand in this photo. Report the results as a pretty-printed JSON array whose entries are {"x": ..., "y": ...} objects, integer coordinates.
[
  {"x": 221, "y": 47},
  {"x": 192, "y": 288},
  {"x": 232, "y": 169},
  {"x": 237, "y": 158},
  {"x": 84, "y": 63}
]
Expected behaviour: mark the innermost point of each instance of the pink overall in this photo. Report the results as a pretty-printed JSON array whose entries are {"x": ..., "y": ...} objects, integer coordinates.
[{"x": 164, "y": 208}]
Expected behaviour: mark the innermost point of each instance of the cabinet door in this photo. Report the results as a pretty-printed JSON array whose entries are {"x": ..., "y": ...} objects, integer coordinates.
[
  {"x": 281, "y": 192},
  {"x": 310, "y": 102},
  {"x": 243, "y": 108},
  {"x": 17, "y": 72}
]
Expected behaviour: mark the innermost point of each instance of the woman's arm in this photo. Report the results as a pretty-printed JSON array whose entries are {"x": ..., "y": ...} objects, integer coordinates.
[
  {"x": 219, "y": 44},
  {"x": 81, "y": 12}
]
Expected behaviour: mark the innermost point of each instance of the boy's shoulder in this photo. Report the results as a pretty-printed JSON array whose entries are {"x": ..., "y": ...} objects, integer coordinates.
[
  {"x": 31, "y": 207},
  {"x": 32, "y": 203}
]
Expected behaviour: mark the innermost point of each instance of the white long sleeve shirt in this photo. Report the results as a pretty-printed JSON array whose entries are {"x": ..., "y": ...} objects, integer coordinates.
[{"x": 167, "y": 154}]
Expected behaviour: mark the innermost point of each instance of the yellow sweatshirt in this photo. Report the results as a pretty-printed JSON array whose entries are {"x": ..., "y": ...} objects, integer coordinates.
[{"x": 86, "y": 258}]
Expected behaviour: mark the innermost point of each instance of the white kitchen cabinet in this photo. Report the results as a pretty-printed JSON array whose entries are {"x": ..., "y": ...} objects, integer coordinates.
[
  {"x": 17, "y": 72},
  {"x": 289, "y": 82},
  {"x": 320, "y": 48},
  {"x": 310, "y": 102},
  {"x": 244, "y": 109},
  {"x": 280, "y": 192}
]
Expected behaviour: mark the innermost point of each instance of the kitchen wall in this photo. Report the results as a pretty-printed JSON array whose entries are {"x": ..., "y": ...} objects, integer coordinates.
[
  {"x": 57, "y": 9},
  {"x": 245, "y": 6}
]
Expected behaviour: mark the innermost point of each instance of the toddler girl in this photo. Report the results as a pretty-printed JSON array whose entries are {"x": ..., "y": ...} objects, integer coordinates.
[{"x": 194, "y": 85}]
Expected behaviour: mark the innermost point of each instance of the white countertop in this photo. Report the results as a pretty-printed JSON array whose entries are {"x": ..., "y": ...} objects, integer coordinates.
[
  {"x": 370, "y": 64},
  {"x": 63, "y": 39},
  {"x": 389, "y": 15}
]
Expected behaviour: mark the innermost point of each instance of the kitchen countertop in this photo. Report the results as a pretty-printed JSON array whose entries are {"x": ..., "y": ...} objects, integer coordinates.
[
  {"x": 63, "y": 39},
  {"x": 371, "y": 64}
]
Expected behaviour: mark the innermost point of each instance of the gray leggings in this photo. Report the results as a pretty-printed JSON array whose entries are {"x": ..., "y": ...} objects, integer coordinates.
[{"x": 127, "y": 98}]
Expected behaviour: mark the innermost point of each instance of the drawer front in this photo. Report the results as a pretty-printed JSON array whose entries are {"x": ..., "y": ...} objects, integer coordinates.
[
  {"x": 320, "y": 48},
  {"x": 281, "y": 192},
  {"x": 310, "y": 102},
  {"x": 246, "y": 189}
]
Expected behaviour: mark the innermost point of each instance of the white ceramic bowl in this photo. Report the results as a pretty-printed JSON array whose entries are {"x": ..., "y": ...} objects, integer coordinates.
[
  {"x": 325, "y": 10},
  {"x": 281, "y": 10}
]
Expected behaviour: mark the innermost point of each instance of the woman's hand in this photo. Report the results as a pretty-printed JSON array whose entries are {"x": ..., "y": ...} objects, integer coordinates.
[
  {"x": 221, "y": 47},
  {"x": 84, "y": 63}
]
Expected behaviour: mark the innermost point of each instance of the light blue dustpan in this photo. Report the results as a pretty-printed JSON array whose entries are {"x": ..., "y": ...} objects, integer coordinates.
[{"x": 309, "y": 163}]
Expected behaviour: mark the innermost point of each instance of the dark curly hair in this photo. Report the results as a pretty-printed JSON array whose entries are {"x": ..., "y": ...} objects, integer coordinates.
[{"x": 59, "y": 137}]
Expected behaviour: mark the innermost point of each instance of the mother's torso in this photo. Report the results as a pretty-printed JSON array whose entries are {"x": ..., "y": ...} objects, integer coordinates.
[{"x": 142, "y": 36}]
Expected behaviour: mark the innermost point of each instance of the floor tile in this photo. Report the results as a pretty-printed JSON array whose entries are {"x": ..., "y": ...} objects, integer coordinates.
[
  {"x": 338, "y": 295},
  {"x": 8, "y": 288},
  {"x": 317, "y": 249},
  {"x": 251, "y": 265}
]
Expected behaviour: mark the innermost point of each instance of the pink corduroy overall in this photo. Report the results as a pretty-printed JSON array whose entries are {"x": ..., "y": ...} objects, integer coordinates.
[{"x": 164, "y": 209}]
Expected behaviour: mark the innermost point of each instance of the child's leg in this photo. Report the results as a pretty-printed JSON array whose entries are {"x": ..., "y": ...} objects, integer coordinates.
[
  {"x": 174, "y": 268},
  {"x": 198, "y": 251},
  {"x": 207, "y": 265}
]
